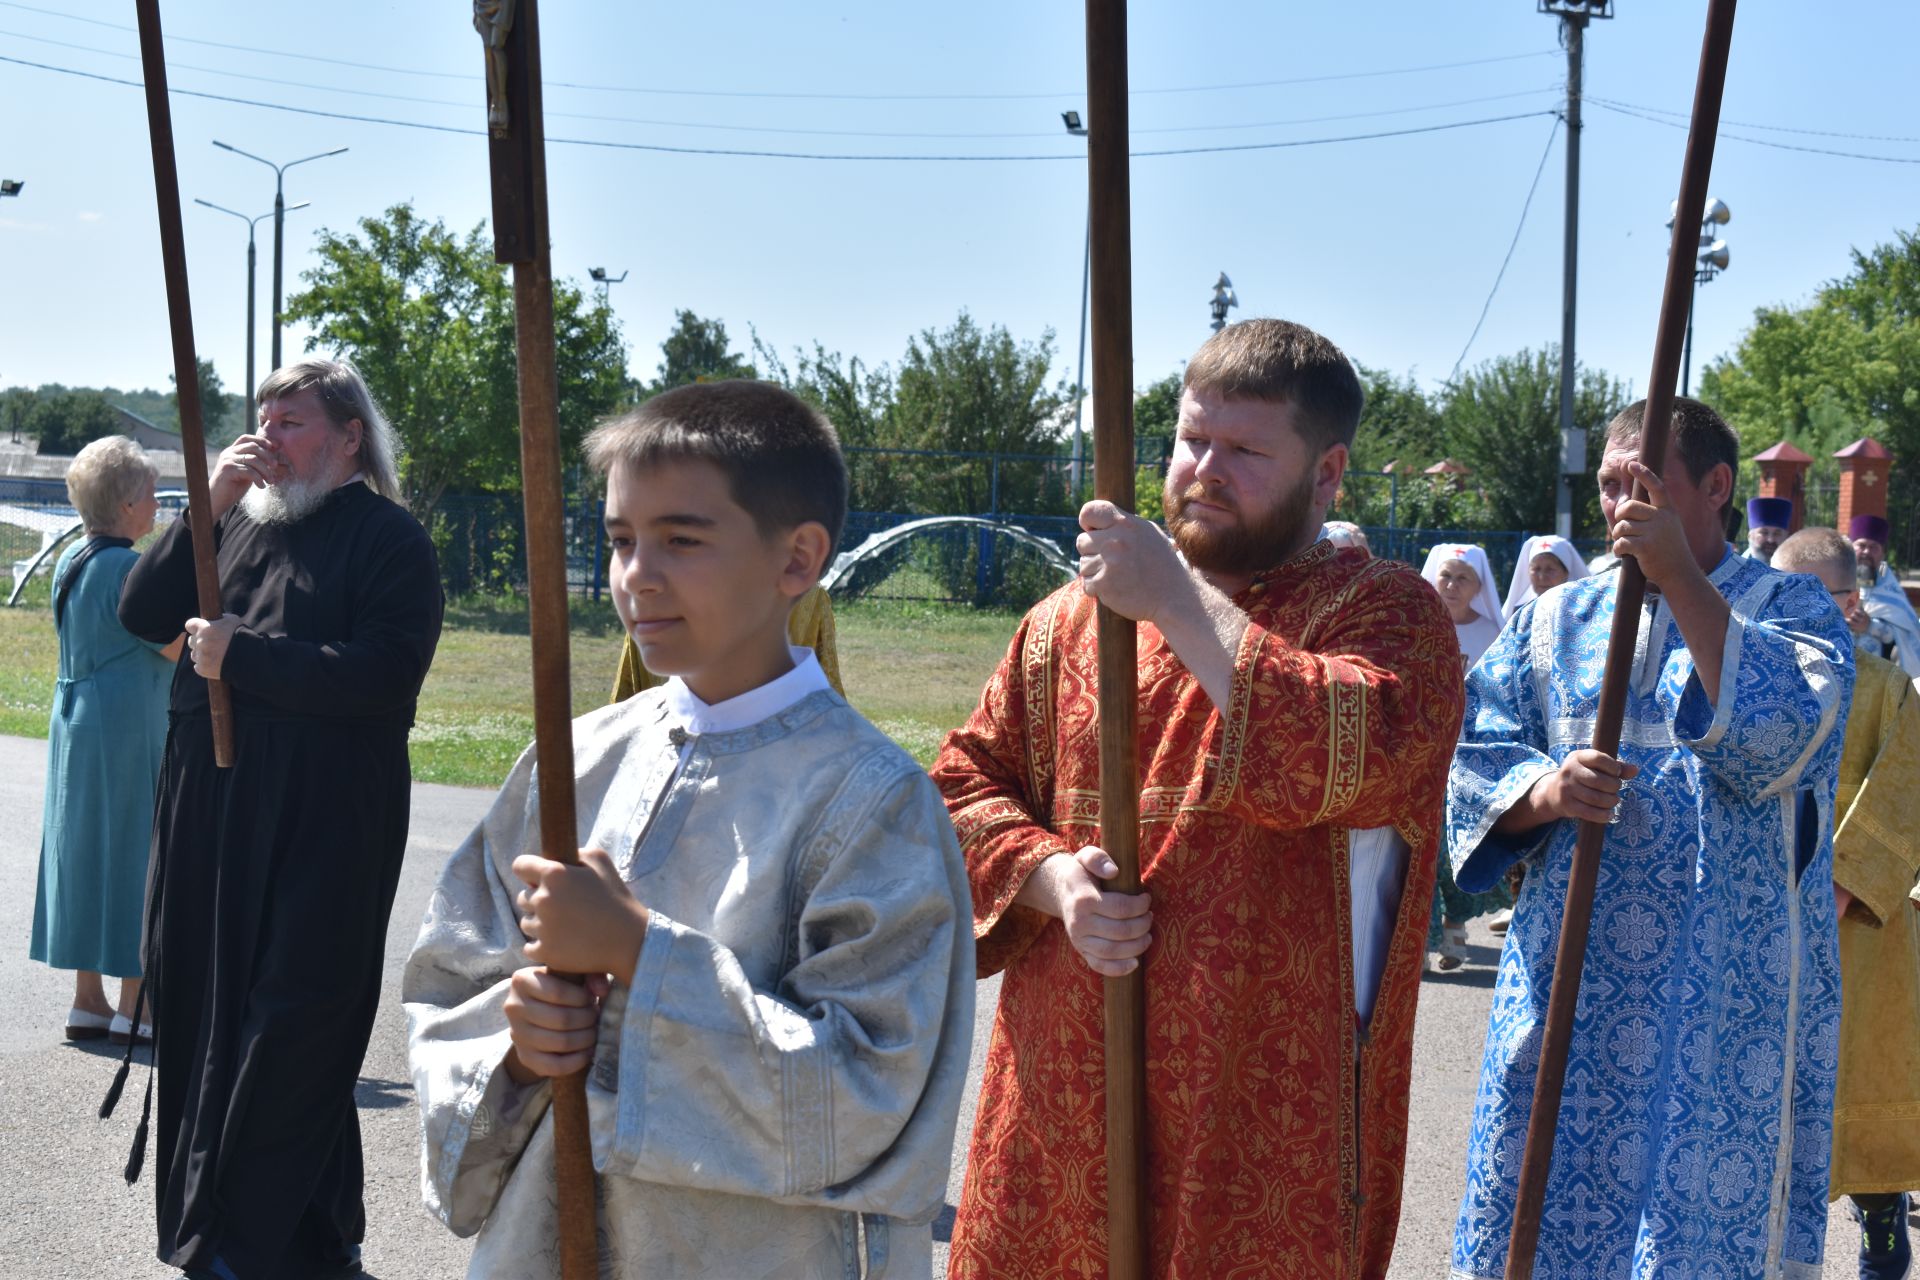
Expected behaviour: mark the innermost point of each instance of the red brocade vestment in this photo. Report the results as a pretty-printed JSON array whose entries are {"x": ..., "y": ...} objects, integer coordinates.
[{"x": 1277, "y": 1124}]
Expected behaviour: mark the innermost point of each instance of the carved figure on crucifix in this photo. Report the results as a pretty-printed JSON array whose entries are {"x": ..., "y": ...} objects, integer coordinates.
[{"x": 493, "y": 19}]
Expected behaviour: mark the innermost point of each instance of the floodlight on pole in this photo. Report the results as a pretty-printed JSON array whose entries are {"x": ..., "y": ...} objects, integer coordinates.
[
  {"x": 279, "y": 222},
  {"x": 1712, "y": 259},
  {"x": 606, "y": 282},
  {"x": 252, "y": 291},
  {"x": 11, "y": 186},
  {"x": 1223, "y": 299},
  {"x": 1074, "y": 126}
]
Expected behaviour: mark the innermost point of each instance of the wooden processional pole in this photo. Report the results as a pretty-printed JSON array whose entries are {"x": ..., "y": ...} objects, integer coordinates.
[
  {"x": 518, "y": 159},
  {"x": 1110, "y": 247},
  {"x": 1565, "y": 992},
  {"x": 186, "y": 366}
]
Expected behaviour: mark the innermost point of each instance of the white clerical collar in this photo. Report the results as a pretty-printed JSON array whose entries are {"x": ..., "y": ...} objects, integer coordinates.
[{"x": 753, "y": 706}]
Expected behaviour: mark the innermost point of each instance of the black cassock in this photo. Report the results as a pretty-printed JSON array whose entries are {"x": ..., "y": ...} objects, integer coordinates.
[{"x": 271, "y": 882}]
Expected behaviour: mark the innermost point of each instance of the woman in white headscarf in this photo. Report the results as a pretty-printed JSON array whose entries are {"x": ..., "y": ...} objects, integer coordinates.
[
  {"x": 1464, "y": 579},
  {"x": 1545, "y": 562}
]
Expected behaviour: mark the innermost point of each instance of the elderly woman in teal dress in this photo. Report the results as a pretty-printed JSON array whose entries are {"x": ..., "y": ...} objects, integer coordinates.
[{"x": 103, "y": 748}]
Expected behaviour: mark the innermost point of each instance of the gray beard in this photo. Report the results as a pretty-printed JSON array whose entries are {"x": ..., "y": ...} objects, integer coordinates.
[{"x": 288, "y": 502}]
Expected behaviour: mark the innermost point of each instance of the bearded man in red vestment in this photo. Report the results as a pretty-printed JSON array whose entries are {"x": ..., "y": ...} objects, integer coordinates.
[{"x": 1298, "y": 707}]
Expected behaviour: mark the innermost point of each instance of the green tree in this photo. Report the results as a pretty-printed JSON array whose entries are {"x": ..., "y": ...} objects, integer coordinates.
[
  {"x": 1502, "y": 419},
  {"x": 427, "y": 317},
  {"x": 214, "y": 403},
  {"x": 977, "y": 391},
  {"x": 65, "y": 421},
  {"x": 17, "y": 404},
  {"x": 697, "y": 351},
  {"x": 859, "y": 400},
  {"x": 1843, "y": 366}
]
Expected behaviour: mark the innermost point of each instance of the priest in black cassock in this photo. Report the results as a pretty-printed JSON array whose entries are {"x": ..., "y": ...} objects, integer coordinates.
[{"x": 271, "y": 882}]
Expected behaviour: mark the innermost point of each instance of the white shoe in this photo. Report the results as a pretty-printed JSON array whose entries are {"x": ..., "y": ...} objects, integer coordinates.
[
  {"x": 82, "y": 1025},
  {"x": 1500, "y": 921},
  {"x": 121, "y": 1031}
]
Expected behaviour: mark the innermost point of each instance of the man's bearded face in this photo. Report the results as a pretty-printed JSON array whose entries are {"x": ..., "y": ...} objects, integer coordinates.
[
  {"x": 1216, "y": 536},
  {"x": 1765, "y": 539},
  {"x": 316, "y": 453}
]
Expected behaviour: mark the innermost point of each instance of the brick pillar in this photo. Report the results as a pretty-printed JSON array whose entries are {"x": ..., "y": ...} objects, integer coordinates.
[
  {"x": 1783, "y": 474},
  {"x": 1864, "y": 466}
]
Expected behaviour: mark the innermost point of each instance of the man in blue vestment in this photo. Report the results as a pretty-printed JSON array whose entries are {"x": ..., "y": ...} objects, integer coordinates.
[{"x": 1696, "y": 1120}]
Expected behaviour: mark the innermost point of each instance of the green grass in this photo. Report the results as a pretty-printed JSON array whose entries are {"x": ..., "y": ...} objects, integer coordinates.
[{"x": 915, "y": 671}]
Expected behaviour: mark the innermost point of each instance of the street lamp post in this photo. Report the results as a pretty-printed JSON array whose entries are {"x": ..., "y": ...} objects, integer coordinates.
[
  {"x": 251, "y": 291},
  {"x": 1711, "y": 261},
  {"x": 1223, "y": 298},
  {"x": 605, "y": 281},
  {"x": 1072, "y": 120},
  {"x": 279, "y": 225},
  {"x": 11, "y": 186}
]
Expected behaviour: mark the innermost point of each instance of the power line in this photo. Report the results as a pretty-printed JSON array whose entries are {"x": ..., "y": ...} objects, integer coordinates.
[
  {"x": 1527, "y": 204},
  {"x": 1758, "y": 142},
  {"x": 467, "y": 105},
  {"x": 839, "y": 97},
  {"x": 1748, "y": 124},
  {"x": 762, "y": 154}
]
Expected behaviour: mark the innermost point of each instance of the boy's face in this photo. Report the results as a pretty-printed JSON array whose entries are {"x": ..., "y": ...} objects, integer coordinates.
[{"x": 703, "y": 594}]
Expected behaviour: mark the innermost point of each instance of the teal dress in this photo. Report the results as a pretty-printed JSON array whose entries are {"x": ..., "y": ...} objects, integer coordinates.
[{"x": 104, "y": 743}]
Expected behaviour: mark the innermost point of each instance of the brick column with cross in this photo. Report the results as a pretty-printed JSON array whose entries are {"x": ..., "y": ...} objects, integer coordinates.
[
  {"x": 1783, "y": 474},
  {"x": 1864, "y": 467}
]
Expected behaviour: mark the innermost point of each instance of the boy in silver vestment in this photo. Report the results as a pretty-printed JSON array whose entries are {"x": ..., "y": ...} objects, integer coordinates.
[{"x": 771, "y": 906}]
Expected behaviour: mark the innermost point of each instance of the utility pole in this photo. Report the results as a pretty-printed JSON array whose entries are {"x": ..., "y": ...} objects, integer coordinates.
[{"x": 1573, "y": 15}]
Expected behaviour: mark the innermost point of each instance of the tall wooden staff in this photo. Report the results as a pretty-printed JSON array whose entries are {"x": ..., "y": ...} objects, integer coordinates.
[
  {"x": 186, "y": 368},
  {"x": 517, "y": 156},
  {"x": 1565, "y": 992},
  {"x": 1112, "y": 326}
]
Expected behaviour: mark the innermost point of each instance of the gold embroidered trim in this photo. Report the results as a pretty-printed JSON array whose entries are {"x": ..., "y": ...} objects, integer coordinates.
[{"x": 1346, "y": 734}]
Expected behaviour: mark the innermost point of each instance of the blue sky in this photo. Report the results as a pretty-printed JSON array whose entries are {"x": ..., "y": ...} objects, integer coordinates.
[{"x": 1387, "y": 245}]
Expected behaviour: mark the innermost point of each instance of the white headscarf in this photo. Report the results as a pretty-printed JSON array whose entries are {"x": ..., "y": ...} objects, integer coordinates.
[
  {"x": 1546, "y": 544},
  {"x": 1478, "y": 634}
]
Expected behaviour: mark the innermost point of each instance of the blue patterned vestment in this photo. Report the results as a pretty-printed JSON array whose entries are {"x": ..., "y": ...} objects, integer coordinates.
[{"x": 1697, "y": 1113}]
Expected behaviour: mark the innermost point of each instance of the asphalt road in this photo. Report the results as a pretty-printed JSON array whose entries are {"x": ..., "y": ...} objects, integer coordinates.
[{"x": 66, "y": 1213}]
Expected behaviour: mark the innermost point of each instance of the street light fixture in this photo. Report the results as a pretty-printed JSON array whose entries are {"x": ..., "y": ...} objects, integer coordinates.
[
  {"x": 605, "y": 281},
  {"x": 1223, "y": 298},
  {"x": 251, "y": 291},
  {"x": 1072, "y": 120},
  {"x": 11, "y": 186},
  {"x": 279, "y": 224},
  {"x": 1711, "y": 258}
]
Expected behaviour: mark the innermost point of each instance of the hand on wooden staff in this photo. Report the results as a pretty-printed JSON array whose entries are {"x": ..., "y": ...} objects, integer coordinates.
[
  {"x": 1651, "y": 532},
  {"x": 554, "y": 1023},
  {"x": 1111, "y": 931},
  {"x": 207, "y": 643},
  {"x": 581, "y": 918},
  {"x": 1586, "y": 787},
  {"x": 1128, "y": 563}
]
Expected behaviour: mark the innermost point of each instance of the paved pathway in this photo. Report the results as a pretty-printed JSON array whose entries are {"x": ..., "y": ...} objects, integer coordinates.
[{"x": 65, "y": 1213}]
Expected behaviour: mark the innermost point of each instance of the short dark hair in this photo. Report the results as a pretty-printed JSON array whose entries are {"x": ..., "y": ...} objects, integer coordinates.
[
  {"x": 780, "y": 455},
  {"x": 1810, "y": 548},
  {"x": 1702, "y": 436},
  {"x": 1284, "y": 363}
]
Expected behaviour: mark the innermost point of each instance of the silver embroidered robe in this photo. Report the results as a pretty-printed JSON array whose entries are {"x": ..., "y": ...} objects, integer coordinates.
[
  {"x": 1697, "y": 1114},
  {"x": 777, "y": 1092}
]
